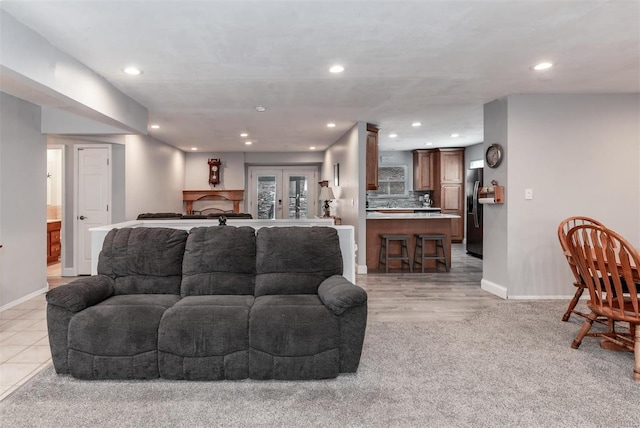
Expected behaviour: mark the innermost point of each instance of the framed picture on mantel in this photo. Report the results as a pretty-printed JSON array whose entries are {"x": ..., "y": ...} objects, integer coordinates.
[{"x": 336, "y": 174}]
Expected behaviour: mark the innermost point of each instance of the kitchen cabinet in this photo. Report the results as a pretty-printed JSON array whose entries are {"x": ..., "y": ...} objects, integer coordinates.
[
  {"x": 449, "y": 194},
  {"x": 451, "y": 165},
  {"x": 442, "y": 172},
  {"x": 423, "y": 170},
  {"x": 372, "y": 157},
  {"x": 53, "y": 240}
]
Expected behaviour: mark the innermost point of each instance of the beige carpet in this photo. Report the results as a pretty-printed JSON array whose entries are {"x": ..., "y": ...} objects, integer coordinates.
[{"x": 512, "y": 366}]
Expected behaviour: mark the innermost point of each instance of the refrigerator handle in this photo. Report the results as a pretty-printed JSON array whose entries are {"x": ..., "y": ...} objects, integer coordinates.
[{"x": 476, "y": 185}]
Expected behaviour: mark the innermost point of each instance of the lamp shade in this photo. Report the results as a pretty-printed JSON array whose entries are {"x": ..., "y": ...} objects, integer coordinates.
[{"x": 326, "y": 194}]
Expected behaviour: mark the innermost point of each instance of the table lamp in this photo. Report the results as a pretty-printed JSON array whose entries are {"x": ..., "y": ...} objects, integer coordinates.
[{"x": 326, "y": 195}]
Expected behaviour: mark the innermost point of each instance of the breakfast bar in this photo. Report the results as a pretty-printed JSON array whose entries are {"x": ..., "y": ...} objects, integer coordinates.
[{"x": 405, "y": 224}]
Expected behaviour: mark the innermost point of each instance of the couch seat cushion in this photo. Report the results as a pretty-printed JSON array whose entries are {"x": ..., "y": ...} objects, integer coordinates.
[
  {"x": 205, "y": 338},
  {"x": 117, "y": 338},
  {"x": 293, "y": 337}
]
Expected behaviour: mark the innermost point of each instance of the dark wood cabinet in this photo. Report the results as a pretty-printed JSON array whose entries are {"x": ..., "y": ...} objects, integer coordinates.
[
  {"x": 423, "y": 170},
  {"x": 442, "y": 172},
  {"x": 53, "y": 240},
  {"x": 372, "y": 157}
]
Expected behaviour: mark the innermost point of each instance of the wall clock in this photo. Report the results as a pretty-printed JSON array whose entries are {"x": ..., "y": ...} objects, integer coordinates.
[
  {"x": 214, "y": 171},
  {"x": 493, "y": 155}
]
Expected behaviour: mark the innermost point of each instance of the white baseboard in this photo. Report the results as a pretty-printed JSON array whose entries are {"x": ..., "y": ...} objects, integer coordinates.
[
  {"x": 69, "y": 272},
  {"x": 494, "y": 288},
  {"x": 554, "y": 297},
  {"x": 24, "y": 299},
  {"x": 361, "y": 269}
]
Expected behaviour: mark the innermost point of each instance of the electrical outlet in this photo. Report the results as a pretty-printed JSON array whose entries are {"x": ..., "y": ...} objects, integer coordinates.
[{"x": 528, "y": 194}]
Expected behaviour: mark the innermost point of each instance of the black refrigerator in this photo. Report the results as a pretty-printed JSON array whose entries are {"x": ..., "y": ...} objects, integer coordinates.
[{"x": 474, "y": 213}]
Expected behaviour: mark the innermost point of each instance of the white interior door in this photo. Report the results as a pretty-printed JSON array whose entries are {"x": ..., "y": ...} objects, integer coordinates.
[
  {"x": 93, "y": 198},
  {"x": 283, "y": 192}
]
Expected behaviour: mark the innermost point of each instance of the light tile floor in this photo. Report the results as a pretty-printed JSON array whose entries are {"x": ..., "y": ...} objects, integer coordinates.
[
  {"x": 24, "y": 345},
  {"x": 24, "y": 342}
]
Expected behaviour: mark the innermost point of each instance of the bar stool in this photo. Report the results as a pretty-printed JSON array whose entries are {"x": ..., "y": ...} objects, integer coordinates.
[
  {"x": 385, "y": 240},
  {"x": 440, "y": 244}
]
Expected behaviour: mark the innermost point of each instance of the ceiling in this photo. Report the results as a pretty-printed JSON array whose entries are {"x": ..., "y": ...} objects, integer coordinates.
[{"x": 208, "y": 64}]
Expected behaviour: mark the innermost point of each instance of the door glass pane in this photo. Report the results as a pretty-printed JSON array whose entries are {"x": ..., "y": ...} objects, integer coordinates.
[
  {"x": 266, "y": 197},
  {"x": 298, "y": 197}
]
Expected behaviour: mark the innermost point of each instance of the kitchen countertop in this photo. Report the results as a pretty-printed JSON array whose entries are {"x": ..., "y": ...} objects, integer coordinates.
[
  {"x": 404, "y": 209},
  {"x": 409, "y": 216}
]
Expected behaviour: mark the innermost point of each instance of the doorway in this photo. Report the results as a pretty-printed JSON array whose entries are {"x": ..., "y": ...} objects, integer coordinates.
[
  {"x": 55, "y": 203},
  {"x": 281, "y": 192}
]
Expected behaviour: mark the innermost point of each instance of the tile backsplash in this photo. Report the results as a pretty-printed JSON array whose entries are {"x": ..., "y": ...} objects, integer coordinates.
[{"x": 411, "y": 200}]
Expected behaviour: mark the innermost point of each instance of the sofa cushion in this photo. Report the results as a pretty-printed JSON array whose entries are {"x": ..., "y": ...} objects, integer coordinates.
[
  {"x": 118, "y": 338},
  {"x": 295, "y": 260},
  {"x": 219, "y": 260},
  {"x": 205, "y": 338},
  {"x": 143, "y": 259},
  {"x": 293, "y": 337}
]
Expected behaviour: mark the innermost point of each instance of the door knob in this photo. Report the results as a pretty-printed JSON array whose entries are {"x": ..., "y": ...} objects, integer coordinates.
[{"x": 81, "y": 217}]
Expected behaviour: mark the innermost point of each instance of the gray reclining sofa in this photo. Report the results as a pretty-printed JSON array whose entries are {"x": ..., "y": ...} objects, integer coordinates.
[{"x": 218, "y": 302}]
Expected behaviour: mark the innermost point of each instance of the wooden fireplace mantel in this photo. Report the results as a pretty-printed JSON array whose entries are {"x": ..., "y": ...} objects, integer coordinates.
[{"x": 234, "y": 196}]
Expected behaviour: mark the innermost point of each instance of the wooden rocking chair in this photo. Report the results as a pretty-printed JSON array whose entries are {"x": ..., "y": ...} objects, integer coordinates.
[
  {"x": 609, "y": 266},
  {"x": 563, "y": 229}
]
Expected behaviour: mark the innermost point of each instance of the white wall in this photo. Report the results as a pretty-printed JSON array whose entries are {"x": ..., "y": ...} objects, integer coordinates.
[
  {"x": 197, "y": 171},
  {"x": 155, "y": 176},
  {"x": 349, "y": 152},
  {"x": 30, "y": 61},
  {"x": 23, "y": 197},
  {"x": 581, "y": 156},
  {"x": 279, "y": 158}
]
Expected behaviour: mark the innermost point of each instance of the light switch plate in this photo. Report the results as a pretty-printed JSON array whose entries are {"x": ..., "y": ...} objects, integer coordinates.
[{"x": 528, "y": 194}]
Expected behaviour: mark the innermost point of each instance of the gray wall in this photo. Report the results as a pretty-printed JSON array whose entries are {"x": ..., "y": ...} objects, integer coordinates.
[
  {"x": 581, "y": 156},
  {"x": 23, "y": 198},
  {"x": 349, "y": 152}
]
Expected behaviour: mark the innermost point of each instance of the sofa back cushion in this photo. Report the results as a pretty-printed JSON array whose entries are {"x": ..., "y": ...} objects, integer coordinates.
[
  {"x": 295, "y": 260},
  {"x": 219, "y": 260},
  {"x": 143, "y": 260}
]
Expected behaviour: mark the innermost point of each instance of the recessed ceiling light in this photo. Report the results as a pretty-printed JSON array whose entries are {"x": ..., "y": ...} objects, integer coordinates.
[
  {"x": 331, "y": 125},
  {"x": 336, "y": 69},
  {"x": 312, "y": 148},
  {"x": 416, "y": 124},
  {"x": 393, "y": 135},
  {"x": 248, "y": 143},
  {"x": 133, "y": 71},
  {"x": 428, "y": 144},
  {"x": 155, "y": 127},
  {"x": 542, "y": 66},
  {"x": 261, "y": 109},
  {"x": 194, "y": 148},
  {"x": 244, "y": 134},
  {"x": 455, "y": 135}
]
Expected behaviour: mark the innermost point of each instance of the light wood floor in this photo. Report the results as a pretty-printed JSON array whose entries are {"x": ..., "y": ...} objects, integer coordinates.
[{"x": 400, "y": 296}]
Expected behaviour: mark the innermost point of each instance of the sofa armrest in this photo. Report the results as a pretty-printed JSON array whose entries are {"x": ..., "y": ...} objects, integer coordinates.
[
  {"x": 338, "y": 294},
  {"x": 82, "y": 293}
]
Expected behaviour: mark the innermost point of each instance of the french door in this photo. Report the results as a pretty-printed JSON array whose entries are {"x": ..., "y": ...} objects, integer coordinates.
[{"x": 283, "y": 192}]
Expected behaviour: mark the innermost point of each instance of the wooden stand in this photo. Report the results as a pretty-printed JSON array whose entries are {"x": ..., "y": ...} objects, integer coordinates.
[{"x": 491, "y": 195}]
